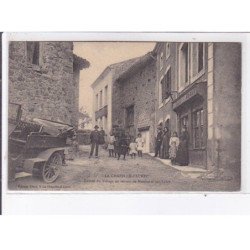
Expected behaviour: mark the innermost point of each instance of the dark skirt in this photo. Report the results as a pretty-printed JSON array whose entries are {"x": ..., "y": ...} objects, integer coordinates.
[
  {"x": 182, "y": 157},
  {"x": 122, "y": 150},
  {"x": 165, "y": 148}
]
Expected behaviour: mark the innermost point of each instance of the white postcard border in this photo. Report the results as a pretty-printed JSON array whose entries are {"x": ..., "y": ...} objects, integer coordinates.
[{"x": 88, "y": 202}]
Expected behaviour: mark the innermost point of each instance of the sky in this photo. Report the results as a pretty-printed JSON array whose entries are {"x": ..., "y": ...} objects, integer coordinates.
[{"x": 100, "y": 55}]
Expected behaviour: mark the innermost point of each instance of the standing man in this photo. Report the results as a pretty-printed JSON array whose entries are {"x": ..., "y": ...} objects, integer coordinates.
[
  {"x": 158, "y": 141},
  {"x": 94, "y": 139}
]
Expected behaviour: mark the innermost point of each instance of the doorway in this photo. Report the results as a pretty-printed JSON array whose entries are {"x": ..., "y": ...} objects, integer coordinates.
[{"x": 146, "y": 137}]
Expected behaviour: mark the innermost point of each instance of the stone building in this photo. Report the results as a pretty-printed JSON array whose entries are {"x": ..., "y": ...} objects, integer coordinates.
[
  {"x": 124, "y": 95},
  {"x": 199, "y": 86},
  {"x": 165, "y": 85},
  {"x": 44, "y": 79}
]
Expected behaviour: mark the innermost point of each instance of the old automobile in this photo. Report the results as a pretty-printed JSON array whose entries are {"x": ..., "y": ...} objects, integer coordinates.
[{"x": 36, "y": 147}]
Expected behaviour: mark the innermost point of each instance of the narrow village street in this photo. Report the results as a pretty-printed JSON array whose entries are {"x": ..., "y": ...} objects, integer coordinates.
[
  {"x": 135, "y": 96},
  {"x": 109, "y": 174}
]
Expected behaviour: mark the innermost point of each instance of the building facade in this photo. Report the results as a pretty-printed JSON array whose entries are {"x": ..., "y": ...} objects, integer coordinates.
[
  {"x": 199, "y": 86},
  {"x": 165, "y": 85},
  {"x": 105, "y": 93},
  {"x": 124, "y": 96},
  {"x": 44, "y": 79},
  {"x": 136, "y": 108},
  {"x": 102, "y": 101}
]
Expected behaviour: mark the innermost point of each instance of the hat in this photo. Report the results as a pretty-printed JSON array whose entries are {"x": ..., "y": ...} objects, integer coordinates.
[{"x": 96, "y": 126}]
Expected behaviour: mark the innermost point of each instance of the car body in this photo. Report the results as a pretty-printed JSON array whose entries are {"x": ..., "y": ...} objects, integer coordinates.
[{"x": 37, "y": 146}]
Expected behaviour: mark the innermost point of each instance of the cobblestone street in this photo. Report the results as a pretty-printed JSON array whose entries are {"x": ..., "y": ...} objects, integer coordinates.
[{"x": 109, "y": 174}]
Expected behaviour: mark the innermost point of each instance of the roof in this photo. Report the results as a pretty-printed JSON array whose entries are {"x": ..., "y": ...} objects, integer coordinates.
[
  {"x": 122, "y": 69},
  {"x": 101, "y": 76},
  {"x": 158, "y": 45},
  {"x": 80, "y": 63},
  {"x": 139, "y": 63}
]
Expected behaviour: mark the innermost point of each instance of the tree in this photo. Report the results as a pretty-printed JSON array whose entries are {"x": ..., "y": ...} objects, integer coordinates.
[{"x": 84, "y": 118}]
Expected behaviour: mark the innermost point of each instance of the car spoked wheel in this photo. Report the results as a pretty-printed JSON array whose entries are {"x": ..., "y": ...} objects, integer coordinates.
[{"x": 52, "y": 167}]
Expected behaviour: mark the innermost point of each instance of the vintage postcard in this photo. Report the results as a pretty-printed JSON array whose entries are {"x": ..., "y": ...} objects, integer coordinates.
[{"x": 124, "y": 115}]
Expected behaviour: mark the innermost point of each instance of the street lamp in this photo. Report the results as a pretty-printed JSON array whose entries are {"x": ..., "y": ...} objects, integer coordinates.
[{"x": 170, "y": 93}]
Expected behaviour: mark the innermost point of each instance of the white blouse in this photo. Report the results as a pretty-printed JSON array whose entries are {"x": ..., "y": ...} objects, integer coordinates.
[{"x": 174, "y": 139}]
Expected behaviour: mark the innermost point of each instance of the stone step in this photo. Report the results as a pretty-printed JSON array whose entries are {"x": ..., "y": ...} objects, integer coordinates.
[{"x": 185, "y": 169}]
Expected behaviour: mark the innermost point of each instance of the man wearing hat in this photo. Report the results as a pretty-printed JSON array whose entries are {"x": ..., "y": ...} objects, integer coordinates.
[
  {"x": 158, "y": 141},
  {"x": 95, "y": 140}
]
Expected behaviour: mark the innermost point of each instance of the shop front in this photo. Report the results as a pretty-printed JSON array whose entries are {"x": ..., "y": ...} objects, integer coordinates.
[{"x": 191, "y": 109}]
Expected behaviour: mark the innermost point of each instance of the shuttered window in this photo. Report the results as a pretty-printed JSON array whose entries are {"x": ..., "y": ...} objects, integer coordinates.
[
  {"x": 198, "y": 129},
  {"x": 166, "y": 85}
]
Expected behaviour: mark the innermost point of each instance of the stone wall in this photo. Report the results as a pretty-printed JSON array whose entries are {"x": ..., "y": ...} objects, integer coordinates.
[
  {"x": 227, "y": 105},
  {"x": 75, "y": 100},
  {"x": 47, "y": 90},
  {"x": 137, "y": 90},
  {"x": 117, "y": 110}
]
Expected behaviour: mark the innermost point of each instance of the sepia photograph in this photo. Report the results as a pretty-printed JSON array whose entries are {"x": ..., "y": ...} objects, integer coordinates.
[
  {"x": 124, "y": 116},
  {"x": 118, "y": 119}
]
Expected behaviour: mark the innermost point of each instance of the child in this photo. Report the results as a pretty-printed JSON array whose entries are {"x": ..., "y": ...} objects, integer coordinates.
[
  {"x": 174, "y": 144},
  {"x": 132, "y": 149},
  {"x": 111, "y": 140},
  {"x": 140, "y": 144},
  {"x": 122, "y": 147}
]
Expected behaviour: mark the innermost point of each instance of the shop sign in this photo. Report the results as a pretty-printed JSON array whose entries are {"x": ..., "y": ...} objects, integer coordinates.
[{"x": 185, "y": 98}]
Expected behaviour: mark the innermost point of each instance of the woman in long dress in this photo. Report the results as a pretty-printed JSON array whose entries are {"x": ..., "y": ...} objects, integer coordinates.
[
  {"x": 183, "y": 154},
  {"x": 174, "y": 144},
  {"x": 165, "y": 143}
]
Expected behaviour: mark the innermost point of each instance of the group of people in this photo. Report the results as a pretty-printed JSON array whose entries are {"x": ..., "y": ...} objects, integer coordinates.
[
  {"x": 118, "y": 144},
  {"x": 172, "y": 147},
  {"x": 167, "y": 146},
  {"x": 122, "y": 145}
]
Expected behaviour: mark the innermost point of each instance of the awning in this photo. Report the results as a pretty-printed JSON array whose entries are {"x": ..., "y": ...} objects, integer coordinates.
[{"x": 196, "y": 91}]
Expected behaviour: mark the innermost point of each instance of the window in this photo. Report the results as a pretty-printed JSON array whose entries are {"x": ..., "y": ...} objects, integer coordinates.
[
  {"x": 166, "y": 85},
  {"x": 96, "y": 102},
  {"x": 130, "y": 116},
  {"x": 200, "y": 56},
  {"x": 161, "y": 61},
  {"x": 106, "y": 95},
  {"x": 183, "y": 65},
  {"x": 100, "y": 99},
  {"x": 101, "y": 123},
  {"x": 197, "y": 58},
  {"x": 167, "y": 50},
  {"x": 198, "y": 129},
  {"x": 33, "y": 52},
  {"x": 184, "y": 122},
  {"x": 105, "y": 123}
]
